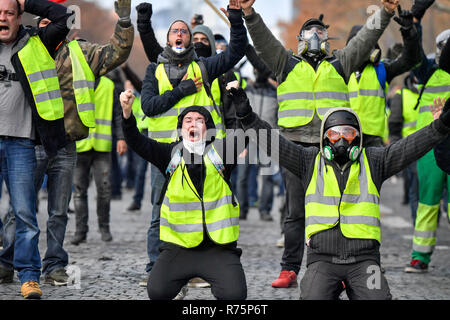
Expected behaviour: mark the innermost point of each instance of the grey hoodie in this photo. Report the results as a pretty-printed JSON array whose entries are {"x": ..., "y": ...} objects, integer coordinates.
[{"x": 207, "y": 32}]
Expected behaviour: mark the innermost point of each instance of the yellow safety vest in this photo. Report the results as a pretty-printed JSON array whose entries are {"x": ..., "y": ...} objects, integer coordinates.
[
  {"x": 356, "y": 210},
  {"x": 368, "y": 100},
  {"x": 41, "y": 74},
  {"x": 184, "y": 213},
  {"x": 83, "y": 84},
  {"x": 163, "y": 128},
  {"x": 437, "y": 86},
  {"x": 409, "y": 101},
  {"x": 100, "y": 137},
  {"x": 305, "y": 90},
  {"x": 141, "y": 121}
]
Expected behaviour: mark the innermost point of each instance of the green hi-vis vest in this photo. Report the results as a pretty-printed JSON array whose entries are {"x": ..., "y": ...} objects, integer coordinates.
[
  {"x": 41, "y": 74},
  {"x": 368, "y": 100},
  {"x": 306, "y": 90},
  {"x": 437, "y": 86},
  {"x": 183, "y": 212},
  {"x": 163, "y": 128},
  {"x": 100, "y": 137},
  {"x": 409, "y": 101},
  {"x": 356, "y": 210},
  {"x": 141, "y": 120},
  {"x": 83, "y": 84}
]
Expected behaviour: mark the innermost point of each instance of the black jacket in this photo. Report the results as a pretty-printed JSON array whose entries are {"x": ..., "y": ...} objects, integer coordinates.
[{"x": 50, "y": 133}]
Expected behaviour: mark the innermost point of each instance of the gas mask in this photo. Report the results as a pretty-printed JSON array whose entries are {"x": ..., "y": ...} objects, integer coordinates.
[
  {"x": 313, "y": 41},
  {"x": 341, "y": 144},
  {"x": 202, "y": 50}
]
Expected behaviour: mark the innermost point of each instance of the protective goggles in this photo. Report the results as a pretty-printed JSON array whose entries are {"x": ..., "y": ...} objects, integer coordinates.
[
  {"x": 175, "y": 31},
  {"x": 337, "y": 132},
  {"x": 309, "y": 31}
]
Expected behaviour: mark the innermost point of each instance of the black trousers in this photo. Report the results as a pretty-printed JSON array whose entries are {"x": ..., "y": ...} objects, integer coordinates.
[
  {"x": 216, "y": 264},
  {"x": 363, "y": 281}
]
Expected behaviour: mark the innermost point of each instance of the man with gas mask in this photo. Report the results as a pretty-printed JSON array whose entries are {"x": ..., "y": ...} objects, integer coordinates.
[
  {"x": 369, "y": 85},
  {"x": 434, "y": 76},
  {"x": 181, "y": 79},
  {"x": 343, "y": 180},
  {"x": 311, "y": 83}
]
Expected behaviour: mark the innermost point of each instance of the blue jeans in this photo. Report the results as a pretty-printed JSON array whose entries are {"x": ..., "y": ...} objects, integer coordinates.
[
  {"x": 59, "y": 170},
  {"x": 21, "y": 231},
  {"x": 153, "y": 240},
  {"x": 139, "y": 181}
]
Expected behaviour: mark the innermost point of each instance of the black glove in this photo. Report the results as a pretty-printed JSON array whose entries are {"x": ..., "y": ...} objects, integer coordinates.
[
  {"x": 240, "y": 102},
  {"x": 187, "y": 87},
  {"x": 405, "y": 19},
  {"x": 145, "y": 12},
  {"x": 445, "y": 115},
  {"x": 419, "y": 7}
]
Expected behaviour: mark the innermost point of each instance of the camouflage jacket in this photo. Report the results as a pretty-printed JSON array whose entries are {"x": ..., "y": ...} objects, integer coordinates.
[{"x": 101, "y": 59}]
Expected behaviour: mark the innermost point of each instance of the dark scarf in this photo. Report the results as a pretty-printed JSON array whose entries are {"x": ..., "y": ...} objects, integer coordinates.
[{"x": 179, "y": 58}]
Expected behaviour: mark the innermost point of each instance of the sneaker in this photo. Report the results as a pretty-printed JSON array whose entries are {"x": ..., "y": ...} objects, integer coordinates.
[
  {"x": 198, "y": 283},
  {"x": 31, "y": 290},
  {"x": 57, "y": 277},
  {"x": 285, "y": 280},
  {"x": 182, "y": 294},
  {"x": 133, "y": 208},
  {"x": 416, "y": 266},
  {"x": 143, "y": 282},
  {"x": 6, "y": 275},
  {"x": 280, "y": 242},
  {"x": 78, "y": 238}
]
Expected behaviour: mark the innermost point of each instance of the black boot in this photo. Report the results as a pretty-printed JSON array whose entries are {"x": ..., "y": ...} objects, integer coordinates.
[
  {"x": 105, "y": 234},
  {"x": 78, "y": 238}
]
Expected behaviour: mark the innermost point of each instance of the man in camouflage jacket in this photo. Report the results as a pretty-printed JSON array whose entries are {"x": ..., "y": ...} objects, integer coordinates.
[{"x": 60, "y": 169}]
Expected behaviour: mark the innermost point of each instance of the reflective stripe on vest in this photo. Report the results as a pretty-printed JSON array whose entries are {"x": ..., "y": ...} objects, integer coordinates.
[
  {"x": 83, "y": 84},
  {"x": 356, "y": 210},
  {"x": 183, "y": 213},
  {"x": 409, "y": 101},
  {"x": 141, "y": 120},
  {"x": 163, "y": 128},
  {"x": 41, "y": 74},
  {"x": 437, "y": 86},
  {"x": 100, "y": 137},
  {"x": 304, "y": 91},
  {"x": 367, "y": 99}
]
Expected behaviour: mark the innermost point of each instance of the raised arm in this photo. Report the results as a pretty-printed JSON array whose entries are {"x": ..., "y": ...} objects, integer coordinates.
[
  {"x": 289, "y": 155},
  {"x": 144, "y": 25},
  {"x": 104, "y": 58},
  {"x": 411, "y": 54},
  {"x": 159, "y": 154},
  {"x": 269, "y": 48},
  {"x": 399, "y": 155},
  {"x": 358, "y": 49},
  {"x": 221, "y": 63}
]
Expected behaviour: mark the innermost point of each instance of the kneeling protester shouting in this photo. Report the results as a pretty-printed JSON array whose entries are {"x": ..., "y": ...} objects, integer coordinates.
[
  {"x": 199, "y": 224},
  {"x": 342, "y": 201}
]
